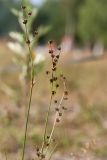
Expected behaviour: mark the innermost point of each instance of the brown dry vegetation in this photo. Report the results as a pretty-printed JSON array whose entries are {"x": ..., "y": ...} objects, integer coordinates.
[{"x": 85, "y": 120}]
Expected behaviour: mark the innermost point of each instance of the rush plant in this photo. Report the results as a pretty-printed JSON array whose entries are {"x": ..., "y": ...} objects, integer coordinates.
[{"x": 48, "y": 144}]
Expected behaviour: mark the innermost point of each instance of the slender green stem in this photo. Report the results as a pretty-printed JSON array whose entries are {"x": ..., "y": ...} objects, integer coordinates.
[
  {"x": 30, "y": 96},
  {"x": 47, "y": 116},
  {"x": 54, "y": 124},
  {"x": 27, "y": 121},
  {"x": 46, "y": 122}
]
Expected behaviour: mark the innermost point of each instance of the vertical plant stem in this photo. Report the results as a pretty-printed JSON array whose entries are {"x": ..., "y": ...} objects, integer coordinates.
[
  {"x": 27, "y": 121},
  {"x": 54, "y": 124},
  {"x": 48, "y": 112},
  {"x": 30, "y": 96},
  {"x": 46, "y": 122}
]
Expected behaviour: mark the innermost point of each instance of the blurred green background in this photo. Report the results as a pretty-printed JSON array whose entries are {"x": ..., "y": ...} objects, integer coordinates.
[{"x": 80, "y": 28}]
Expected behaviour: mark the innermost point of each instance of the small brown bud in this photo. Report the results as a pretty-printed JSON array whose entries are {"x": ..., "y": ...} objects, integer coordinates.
[
  {"x": 64, "y": 108},
  {"x": 57, "y": 85},
  {"x": 53, "y": 92},
  {"x": 48, "y": 137},
  {"x": 23, "y": 7},
  {"x": 30, "y": 13},
  {"x": 38, "y": 154},
  {"x": 54, "y": 64},
  {"x": 52, "y": 55},
  {"x": 54, "y": 69},
  {"x": 47, "y": 72},
  {"x": 66, "y": 92},
  {"x": 50, "y": 42},
  {"x": 57, "y": 120},
  {"x": 57, "y": 109},
  {"x": 28, "y": 41},
  {"x": 64, "y": 78},
  {"x": 47, "y": 144},
  {"x": 51, "y": 80},
  {"x": 57, "y": 56},
  {"x": 25, "y": 21},
  {"x": 55, "y": 101},
  {"x": 59, "y": 48},
  {"x": 51, "y": 51}
]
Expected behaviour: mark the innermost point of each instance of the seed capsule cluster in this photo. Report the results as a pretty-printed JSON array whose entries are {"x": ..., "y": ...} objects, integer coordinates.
[{"x": 26, "y": 15}]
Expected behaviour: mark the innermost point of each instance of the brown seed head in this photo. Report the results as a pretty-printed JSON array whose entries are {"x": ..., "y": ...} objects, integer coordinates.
[
  {"x": 51, "y": 80},
  {"x": 47, "y": 72},
  {"x": 57, "y": 120},
  {"x": 57, "y": 109},
  {"x": 55, "y": 101},
  {"x": 54, "y": 69},
  {"x": 57, "y": 85},
  {"x": 66, "y": 92},
  {"x": 57, "y": 56},
  {"x": 64, "y": 108},
  {"x": 23, "y": 7},
  {"x": 52, "y": 55},
  {"x": 59, "y": 48},
  {"x": 28, "y": 41},
  {"x": 50, "y": 42},
  {"x": 38, "y": 154},
  {"x": 48, "y": 137},
  {"x": 25, "y": 21},
  {"x": 54, "y": 64},
  {"x": 51, "y": 51},
  {"x": 30, "y": 13},
  {"x": 53, "y": 92}
]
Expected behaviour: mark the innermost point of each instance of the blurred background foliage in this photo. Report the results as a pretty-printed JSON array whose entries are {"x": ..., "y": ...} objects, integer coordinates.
[{"x": 85, "y": 20}]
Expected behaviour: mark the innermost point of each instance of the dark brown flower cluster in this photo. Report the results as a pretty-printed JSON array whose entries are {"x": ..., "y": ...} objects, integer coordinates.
[{"x": 26, "y": 15}]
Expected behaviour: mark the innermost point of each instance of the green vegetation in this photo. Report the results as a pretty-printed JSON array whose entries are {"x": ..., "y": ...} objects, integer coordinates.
[{"x": 85, "y": 20}]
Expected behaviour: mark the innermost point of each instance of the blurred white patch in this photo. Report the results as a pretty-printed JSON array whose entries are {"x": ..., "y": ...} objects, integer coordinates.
[
  {"x": 39, "y": 58},
  {"x": 15, "y": 47}
]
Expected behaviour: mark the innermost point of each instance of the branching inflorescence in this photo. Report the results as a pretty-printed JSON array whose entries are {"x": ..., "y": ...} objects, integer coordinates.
[{"x": 54, "y": 79}]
